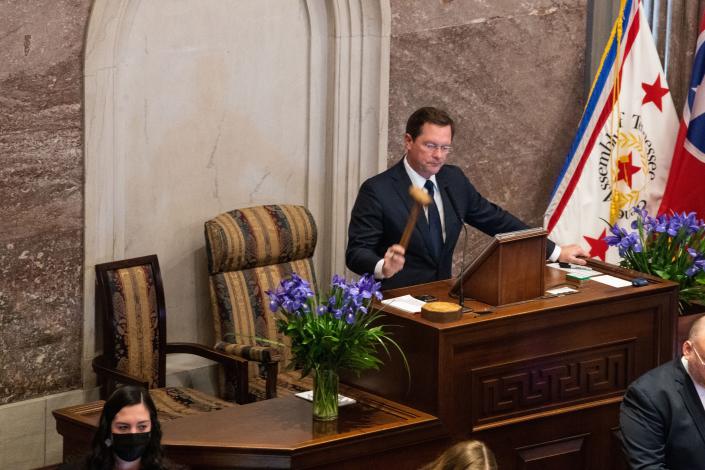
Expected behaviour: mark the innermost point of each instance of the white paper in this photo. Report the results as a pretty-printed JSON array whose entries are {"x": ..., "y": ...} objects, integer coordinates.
[
  {"x": 579, "y": 271},
  {"x": 342, "y": 400},
  {"x": 406, "y": 303},
  {"x": 611, "y": 281},
  {"x": 562, "y": 290}
]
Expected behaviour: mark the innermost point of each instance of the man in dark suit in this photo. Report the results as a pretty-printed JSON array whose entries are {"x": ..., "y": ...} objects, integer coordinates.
[
  {"x": 383, "y": 205},
  {"x": 663, "y": 416}
]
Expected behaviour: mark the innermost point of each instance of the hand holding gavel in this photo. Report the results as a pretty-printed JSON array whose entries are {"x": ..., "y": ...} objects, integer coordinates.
[
  {"x": 394, "y": 256},
  {"x": 421, "y": 199}
]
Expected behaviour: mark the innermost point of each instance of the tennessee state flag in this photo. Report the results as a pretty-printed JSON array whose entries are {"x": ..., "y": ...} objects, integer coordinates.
[
  {"x": 621, "y": 154},
  {"x": 685, "y": 190}
]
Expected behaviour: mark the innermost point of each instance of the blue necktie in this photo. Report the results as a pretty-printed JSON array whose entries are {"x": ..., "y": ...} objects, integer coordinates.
[{"x": 434, "y": 222}]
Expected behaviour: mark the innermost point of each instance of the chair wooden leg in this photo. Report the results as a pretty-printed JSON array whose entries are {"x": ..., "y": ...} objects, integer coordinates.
[
  {"x": 107, "y": 386},
  {"x": 272, "y": 369},
  {"x": 242, "y": 385},
  {"x": 100, "y": 382}
]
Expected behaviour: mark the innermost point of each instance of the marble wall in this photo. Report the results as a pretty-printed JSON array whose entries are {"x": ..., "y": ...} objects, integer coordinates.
[
  {"x": 516, "y": 111},
  {"x": 41, "y": 196},
  {"x": 239, "y": 104},
  {"x": 512, "y": 76}
]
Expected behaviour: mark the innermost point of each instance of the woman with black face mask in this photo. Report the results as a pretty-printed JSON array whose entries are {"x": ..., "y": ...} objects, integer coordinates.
[{"x": 128, "y": 435}]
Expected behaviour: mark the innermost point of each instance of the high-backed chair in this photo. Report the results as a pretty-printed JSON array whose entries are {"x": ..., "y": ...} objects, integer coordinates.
[
  {"x": 249, "y": 252},
  {"x": 130, "y": 296}
]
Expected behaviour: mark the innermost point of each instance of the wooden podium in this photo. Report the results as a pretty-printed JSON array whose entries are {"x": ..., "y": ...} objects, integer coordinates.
[
  {"x": 539, "y": 380},
  {"x": 509, "y": 269}
]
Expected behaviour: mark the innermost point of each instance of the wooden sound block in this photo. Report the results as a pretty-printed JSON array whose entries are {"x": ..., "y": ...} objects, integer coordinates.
[{"x": 441, "y": 312}]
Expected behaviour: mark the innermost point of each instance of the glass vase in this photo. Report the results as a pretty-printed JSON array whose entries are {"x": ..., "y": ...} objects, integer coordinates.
[{"x": 325, "y": 394}]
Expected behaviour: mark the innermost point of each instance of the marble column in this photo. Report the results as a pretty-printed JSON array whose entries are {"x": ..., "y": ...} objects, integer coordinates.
[{"x": 41, "y": 197}]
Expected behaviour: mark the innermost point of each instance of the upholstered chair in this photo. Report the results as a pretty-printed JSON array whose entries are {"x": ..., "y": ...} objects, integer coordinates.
[
  {"x": 249, "y": 252},
  {"x": 130, "y": 297}
]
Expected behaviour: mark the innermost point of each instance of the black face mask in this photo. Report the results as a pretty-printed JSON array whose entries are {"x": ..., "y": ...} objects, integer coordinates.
[{"x": 130, "y": 447}]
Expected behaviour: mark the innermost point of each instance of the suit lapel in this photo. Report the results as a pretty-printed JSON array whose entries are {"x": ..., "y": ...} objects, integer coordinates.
[
  {"x": 691, "y": 399},
  {"x": 401, "y": 186}
]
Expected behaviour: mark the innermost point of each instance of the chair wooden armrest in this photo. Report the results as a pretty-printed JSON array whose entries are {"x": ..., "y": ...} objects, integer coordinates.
[
  {"x": 112, "y": 375},
  {"x": 237, "y": 365},
  {"x": 269, "y": 357},
  {"x": 263, "y": 354},
  {"x": 227, "y": 360}
]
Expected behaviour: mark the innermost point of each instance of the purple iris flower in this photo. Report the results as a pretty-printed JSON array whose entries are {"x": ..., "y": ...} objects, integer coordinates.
[
  {"x": 698, "y": 263},
  {"x": 643, "y": 213},
  {"x": 649, "y": 224},
  {"x": 661, "y": 224},
  {"x": 675, "y": 224},
  {"x": 617, "y": 235},
  {"x": 339, "y": 281},
  {"x": 291, "y": 296},
  {"x": 691, "y": 223},
  {"x": 630, "y": 242},
  {"x": 369, "y": 287},
  {"x": 346, "y": 301}
]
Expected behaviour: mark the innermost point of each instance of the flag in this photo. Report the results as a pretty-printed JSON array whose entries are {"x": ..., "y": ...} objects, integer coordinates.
[
  {"x": 621, "y": 153},
  {"x": 685, "y": 191}
]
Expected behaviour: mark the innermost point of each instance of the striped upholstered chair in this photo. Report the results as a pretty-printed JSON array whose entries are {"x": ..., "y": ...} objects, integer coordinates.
[
  {"x": 249, "y": 252},
  {"x": 130, "y": 296}
]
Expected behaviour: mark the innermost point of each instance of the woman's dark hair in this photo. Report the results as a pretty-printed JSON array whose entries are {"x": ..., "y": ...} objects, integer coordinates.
[
  {"x": 428, "y": 114},
  {"x": 102, "y": 457}
]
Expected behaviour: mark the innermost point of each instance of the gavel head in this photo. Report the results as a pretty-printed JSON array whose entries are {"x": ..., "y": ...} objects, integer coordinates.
[{"x": 419, "y": 196}]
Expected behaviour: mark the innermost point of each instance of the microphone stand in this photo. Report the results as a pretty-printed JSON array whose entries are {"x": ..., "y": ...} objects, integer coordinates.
[{"x": 461, "y": 296}]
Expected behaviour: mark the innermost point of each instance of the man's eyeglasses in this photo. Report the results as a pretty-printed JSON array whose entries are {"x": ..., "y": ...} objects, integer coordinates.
[
  {"x": 431, "y": 147},
  {"x": 697, "y": 353}
]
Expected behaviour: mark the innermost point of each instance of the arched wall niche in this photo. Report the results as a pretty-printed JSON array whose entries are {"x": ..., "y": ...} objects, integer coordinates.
[{"x": 193, "y": 109}]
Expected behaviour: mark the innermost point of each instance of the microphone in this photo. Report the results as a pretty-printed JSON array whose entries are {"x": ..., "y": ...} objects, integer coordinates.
[{"x": 461, "y": 296}]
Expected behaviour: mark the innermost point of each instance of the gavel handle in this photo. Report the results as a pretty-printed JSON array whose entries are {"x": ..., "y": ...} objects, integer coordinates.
[{"x": 410, "y": 222}]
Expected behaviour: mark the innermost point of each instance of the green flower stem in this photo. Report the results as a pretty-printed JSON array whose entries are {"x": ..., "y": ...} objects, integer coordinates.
[{"x": 325, "y": 394}]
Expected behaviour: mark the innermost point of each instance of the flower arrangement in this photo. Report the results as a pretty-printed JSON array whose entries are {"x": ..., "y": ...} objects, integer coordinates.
[
  {"x": 670, "y": 247},
  {"x": 333, "y": 331}
]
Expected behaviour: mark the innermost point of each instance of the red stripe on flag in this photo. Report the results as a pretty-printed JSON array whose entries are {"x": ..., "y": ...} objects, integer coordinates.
[{"x": 631, "y": 36}]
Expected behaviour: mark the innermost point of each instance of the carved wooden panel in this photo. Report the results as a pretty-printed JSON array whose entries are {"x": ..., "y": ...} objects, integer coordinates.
[{"x": 552, "y": 381}]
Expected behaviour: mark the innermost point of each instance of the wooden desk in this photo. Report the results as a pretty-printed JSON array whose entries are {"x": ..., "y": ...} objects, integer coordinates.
[
  {"x": 280, "y": 433},
  {"x": 540, "y": 381}
]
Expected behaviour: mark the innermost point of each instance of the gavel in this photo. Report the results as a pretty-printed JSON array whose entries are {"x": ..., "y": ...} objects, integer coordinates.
[{"x": 421, "y": 199}]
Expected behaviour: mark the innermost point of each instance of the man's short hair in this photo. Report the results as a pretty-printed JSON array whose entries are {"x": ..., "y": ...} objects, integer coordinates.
[
  {"x": 696, "y": 328},
  {"x": 428, "y": 114}
]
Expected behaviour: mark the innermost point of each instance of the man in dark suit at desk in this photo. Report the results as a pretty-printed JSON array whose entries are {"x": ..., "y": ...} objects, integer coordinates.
[
  {"x": 663, "y": 416},
  {"x": 383, "y": 205}
]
